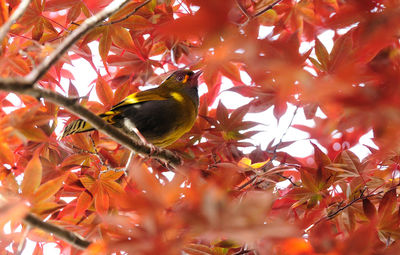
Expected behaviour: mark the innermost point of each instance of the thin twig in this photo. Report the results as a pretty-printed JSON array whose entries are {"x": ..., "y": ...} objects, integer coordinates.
[
  {"x": 101, "y": 159},
  {"x": 127, "y": 16},
  {"x": 244, "y": 185},
  {"x": 70, "y": 40},
  {"x": 243, "y": 252},
  {"x": 188, "y": 10},
  {"x": 65, "y": 235},
  {"x": 13, "y": 18},
  {"x": 95, "y": 150},
  {"x": 288, "y": 178},
  {"x": 269, "y": 7},
  {"x": 284, "y": 134},
  {"x": 264, "y": 168},
  {"x": 250, "y": 16},
  {"x": 335, "y": 213},
  {"x": 21, "y": 86},
  {"x": 243, "y": 10},
  {"x": 59, "y": 24}
]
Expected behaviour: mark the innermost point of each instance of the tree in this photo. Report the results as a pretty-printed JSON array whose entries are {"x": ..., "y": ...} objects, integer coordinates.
[{"x": 203, "y": 194}]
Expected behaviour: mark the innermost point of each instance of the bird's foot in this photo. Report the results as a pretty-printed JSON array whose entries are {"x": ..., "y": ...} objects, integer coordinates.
[{"x": 153, "y": 149}]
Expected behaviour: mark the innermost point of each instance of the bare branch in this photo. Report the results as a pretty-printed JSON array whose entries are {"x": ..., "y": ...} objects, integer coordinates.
[
  {"x": 127, "y": 16},
  {"x": 71, "y": 39},
  {"x": 25, "y": 86},
  {"x": 13, "y": 18},
  {"x": 22, "y": 86},
  {"x": 65, "y": 235}
]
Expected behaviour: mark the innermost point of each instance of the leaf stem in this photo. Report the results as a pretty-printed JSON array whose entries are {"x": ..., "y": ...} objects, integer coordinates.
[
  {"x": 269, "y": 7},
  {"x": 284, "y": 134},
  {"x": 250, "y": 16},
  {"x": 128, "y": 15}
]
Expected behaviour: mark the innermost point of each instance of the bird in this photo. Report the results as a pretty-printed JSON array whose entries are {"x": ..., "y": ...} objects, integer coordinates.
[{"x": 158, "y": 116}]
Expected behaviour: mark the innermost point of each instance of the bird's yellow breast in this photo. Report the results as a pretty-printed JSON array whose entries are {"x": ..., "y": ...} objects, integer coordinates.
[{"x": 186, "y": 112}]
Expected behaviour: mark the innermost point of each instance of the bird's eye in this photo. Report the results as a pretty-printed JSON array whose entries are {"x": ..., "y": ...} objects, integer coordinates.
[{"x": 180, "y": 78}]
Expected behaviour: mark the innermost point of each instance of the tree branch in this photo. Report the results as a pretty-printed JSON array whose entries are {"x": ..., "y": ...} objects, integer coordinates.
[
  {"x": 71, "y": 39},
  {"x": 13, "y": 18},
  {"x": 21, "y": 86},
  {"x": 25, "y": 86},
  {"x": 65, "y": 235}
]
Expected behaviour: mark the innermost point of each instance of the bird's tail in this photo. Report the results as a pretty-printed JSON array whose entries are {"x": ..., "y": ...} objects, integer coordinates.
[
  {"x": 76, "y": 126},
  {"x": 80, "y": 126}
]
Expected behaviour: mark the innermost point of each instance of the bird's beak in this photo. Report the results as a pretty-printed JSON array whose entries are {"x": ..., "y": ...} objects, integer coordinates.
[{"x": 194, "y": 78}]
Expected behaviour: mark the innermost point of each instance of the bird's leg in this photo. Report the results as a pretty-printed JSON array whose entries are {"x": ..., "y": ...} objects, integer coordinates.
[
  {"x": 143, "y": 139},
  {"x": 131, "y": 127},
  {"x": 137, "y": 132}
]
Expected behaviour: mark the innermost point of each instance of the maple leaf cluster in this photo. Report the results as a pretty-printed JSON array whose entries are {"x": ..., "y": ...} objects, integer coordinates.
[{"x": 230, "y": 195}]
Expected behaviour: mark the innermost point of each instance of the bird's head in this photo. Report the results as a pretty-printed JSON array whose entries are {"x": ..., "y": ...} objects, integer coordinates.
[{"x": 181, "y": 79}]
